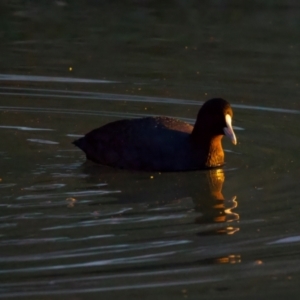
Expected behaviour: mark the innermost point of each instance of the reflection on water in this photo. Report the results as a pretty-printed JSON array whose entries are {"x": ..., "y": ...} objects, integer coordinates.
[
  {"x": 214, "y": 208},
  {"x": 146, "y": 225},
  {"x": 168, "y": 190},
  {"x": 230, "y": 259},
  {"x": 217, "y": 210}
]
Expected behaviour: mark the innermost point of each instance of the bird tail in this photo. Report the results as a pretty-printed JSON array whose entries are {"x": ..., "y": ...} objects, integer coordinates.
[{"x": 79, "y": 143}]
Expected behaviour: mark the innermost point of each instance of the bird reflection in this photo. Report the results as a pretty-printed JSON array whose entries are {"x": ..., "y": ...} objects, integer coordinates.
[
  {"x": 230, "y": 259},
  {"x": 214, "y": 208},
  {"x": 199, "y": 191}
]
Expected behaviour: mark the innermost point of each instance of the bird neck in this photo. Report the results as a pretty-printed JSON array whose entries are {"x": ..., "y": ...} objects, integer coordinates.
[
  {"x": 211, "y": 147},
  {"x": 215, "y": 155}
]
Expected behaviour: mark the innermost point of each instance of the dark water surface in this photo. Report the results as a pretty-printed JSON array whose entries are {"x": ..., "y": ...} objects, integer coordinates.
[{"x": 74, "y": 230}]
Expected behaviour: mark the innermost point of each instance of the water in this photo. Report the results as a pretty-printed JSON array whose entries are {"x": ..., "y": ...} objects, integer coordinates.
[{"x": 73, "y": 230}]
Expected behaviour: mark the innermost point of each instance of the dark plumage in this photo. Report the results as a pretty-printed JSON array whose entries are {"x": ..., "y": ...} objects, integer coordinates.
[{"x": 162, "y": 143}]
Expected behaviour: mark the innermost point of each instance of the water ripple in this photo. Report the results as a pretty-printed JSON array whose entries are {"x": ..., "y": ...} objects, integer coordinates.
[
  {"x": 28, "y": 78},
  {"x": 92, "y": 251},
  {"x": 24, "y": 128},
  {"x": 41, "y": 187},
  {"x": 6, "y": 185},
  {"x": 40, "y": 141},
  {"x": 117, "y": 220},
  {"x": 88, "y": 113},
  {"x": 69, "y": 175},
  {"x": 73, "y": 194},
  {"x": 132, "y": 286},
  {"x": 52, "y": 240},
  {"x": 291, "y": 239},
  {"x": 119, "y": 97},
  {"x": 97, "y": 263}
]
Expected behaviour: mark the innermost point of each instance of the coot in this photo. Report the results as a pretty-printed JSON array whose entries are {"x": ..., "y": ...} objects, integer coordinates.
[{"x": 163, "y": 143}]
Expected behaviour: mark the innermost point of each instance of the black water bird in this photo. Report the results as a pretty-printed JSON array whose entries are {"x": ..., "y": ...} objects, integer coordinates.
[{"x": 163, "y": 143}]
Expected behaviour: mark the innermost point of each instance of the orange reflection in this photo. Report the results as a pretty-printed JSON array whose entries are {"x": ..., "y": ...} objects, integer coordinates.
[
  {"x": 230, "y": 259},
  {"x": 214, "y": 208}
]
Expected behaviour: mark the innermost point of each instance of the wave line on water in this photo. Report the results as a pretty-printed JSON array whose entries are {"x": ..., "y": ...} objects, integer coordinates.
[
  {"x": 117, "y": 221},
  {"x": 12, "y": 77},
  {"x": 134, "y": 98},
  {"x": 112, "y": 288},
  {"x": 68, "y": 194},
  {"x": 137, "y": 274},
  {"x": 97, "y": 263},
  {"x": 24, "y": 128},
  {"x": 98, "y": 96},
  {"x": 89, "y": 251},
  {"x": 109, "y": 97},
  {"x": 291, "y": 239},
  {"x": 88, "y": 113},
  {"x": 40, "y": 141},
  {"x": 32, "y": 241}
]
